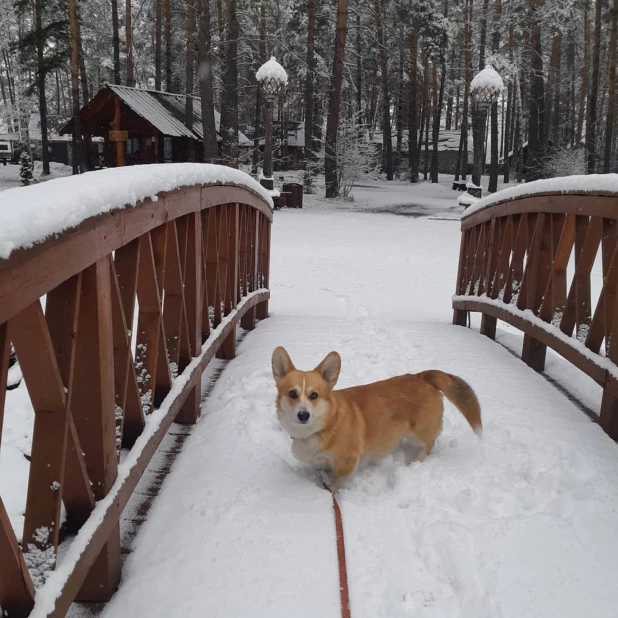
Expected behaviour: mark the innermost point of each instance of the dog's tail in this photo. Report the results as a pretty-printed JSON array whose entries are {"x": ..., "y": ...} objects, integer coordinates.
[{"x": 460, "y": 394}]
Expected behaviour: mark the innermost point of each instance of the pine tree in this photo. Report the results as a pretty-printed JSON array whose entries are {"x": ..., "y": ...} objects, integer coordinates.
[{"x": 25, "y": 169}]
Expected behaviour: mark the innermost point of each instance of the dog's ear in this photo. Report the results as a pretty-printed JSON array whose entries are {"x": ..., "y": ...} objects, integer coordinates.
[
  {"x": 329, "y": 368},
  {"x": 282, "y": 364}
]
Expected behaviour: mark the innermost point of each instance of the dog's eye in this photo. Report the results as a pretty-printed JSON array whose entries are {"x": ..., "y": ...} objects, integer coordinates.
[
  {"x": 293, "y": 394},
  {"x": 313, "y": 396}
]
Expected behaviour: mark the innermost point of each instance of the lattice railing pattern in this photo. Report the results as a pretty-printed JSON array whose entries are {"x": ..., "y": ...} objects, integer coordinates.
[
  {"x": 528, "y": 262},
  {"x": 134, "y": 300}
]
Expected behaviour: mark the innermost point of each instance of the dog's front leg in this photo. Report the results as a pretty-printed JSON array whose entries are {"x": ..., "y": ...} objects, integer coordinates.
[{"x": 343, "y": 467}]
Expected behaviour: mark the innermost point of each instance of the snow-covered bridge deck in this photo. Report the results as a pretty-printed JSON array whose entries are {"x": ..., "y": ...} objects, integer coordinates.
[{"x": 521, "y": 523}]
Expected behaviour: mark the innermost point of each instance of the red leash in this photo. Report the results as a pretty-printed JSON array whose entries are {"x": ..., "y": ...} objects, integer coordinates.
[{"x": 343, "y": 571}]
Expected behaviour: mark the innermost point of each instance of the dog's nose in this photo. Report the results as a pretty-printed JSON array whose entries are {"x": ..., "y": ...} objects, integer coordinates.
[{"x": 303, "y": 416}]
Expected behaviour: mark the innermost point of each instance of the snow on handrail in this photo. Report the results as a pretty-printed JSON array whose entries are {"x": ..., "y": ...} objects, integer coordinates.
[
  {"x": 29, "y": 215},
  {"x": 583, "y": 184}
]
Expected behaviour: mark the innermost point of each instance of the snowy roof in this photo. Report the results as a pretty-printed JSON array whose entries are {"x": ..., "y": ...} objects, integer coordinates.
[
  {"x": 164, "y": 110},
  {"x": 580, "y": 184},
  {"x": 29, "y": 215},
  {"x": 272, "y": 70}
]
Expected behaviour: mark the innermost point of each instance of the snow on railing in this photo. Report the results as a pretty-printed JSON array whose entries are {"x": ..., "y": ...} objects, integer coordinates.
[
  {"x": 543, "y": 257},
  {"x": 146, "y": 273}
]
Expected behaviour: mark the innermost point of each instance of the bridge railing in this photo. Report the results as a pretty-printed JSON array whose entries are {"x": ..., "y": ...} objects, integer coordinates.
[
  {"x": 113, "y": 323},
  {"x": 526, "y": 257}
]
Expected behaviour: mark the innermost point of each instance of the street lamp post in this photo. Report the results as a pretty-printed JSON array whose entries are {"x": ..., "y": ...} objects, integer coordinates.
[
  {"x": 272, "y": 78},
  {"x": 485, "y": 90}
]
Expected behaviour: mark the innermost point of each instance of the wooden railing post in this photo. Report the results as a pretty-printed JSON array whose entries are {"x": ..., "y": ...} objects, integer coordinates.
[
  {"x": 232, "y": 252},
  {"x": 264, "y": 275},
  {"x": 93, "y": 405},
  {"x": 190, "y": 411},
  {"x": 253, "y": 247}
]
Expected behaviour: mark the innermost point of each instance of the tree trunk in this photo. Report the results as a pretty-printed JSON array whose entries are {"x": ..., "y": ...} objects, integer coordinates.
[
  {"x": 116, "y": 42},
  {"x": 427, "y": 108},
  {"x": 467, "y": 71},
  {"x": 334, "y": 105},
  {"x": 591, "y": 124},
  {"x": 168, "y": 46},
  {"x": 211, "y": 152},
  {"x": 509, "y": 106},
  {"x": 359, "y": 70},
  {"x": 611, "y": 103},
  {"x": 76, "y": 155},
  {"x": 229, "y": 113},
  {"x": 129, "y": 38},
  {"x": 483, "y": 41},
  {"x": 387, "y": 137},
  {"x": 258, "y": 96},
  {"x": 309, "y": 150},
  {"x": 536, "y": 128},
  {"x": 189, "y": 75},
  {"x": 583, "y": 95},
  {"x": 495, "y": 45},
  {"x": 41, "y": 74},
  {"x": 399, "y": 117},
  {"x": 413, "y": 133},
  {"x": 158, "y": 29}
]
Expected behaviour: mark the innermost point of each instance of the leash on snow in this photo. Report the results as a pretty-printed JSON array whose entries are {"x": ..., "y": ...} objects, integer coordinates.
[{"x": 343, "y": 570}]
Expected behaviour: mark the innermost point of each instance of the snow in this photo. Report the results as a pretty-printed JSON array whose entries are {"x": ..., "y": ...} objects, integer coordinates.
[
  {"x": 272, "y": 70},
  {"x": 31, "y": 214},
  {"x": 465, "y": 199},
  {"x": 583, "y": 184},
  {"x": 520, "y": 523},
  {"x": 488, "y": 78}
]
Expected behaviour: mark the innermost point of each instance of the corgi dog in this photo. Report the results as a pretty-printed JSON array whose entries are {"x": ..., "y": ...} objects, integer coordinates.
[{"x": 340, "y": 430}]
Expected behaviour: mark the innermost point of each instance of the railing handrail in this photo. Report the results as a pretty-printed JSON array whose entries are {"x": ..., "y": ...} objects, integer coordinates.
[
  {"x": 515, "y": 249},
  {"x": 21, "y": 283},
  {"x": 549, "y": 195}
]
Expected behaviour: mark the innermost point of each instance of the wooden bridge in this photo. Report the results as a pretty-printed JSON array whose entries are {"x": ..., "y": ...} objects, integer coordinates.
[{"x": 114, "y": 321}]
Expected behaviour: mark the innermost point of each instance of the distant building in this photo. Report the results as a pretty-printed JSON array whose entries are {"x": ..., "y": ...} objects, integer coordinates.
[{"x": 151, "y": 126}]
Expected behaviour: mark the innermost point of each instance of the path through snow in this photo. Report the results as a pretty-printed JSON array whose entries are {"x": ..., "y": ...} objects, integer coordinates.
[{"x": 521, "y": 523}]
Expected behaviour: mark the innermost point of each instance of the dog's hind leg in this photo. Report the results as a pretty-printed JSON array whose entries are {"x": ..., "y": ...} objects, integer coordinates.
[{"x": 414, "y": 448}]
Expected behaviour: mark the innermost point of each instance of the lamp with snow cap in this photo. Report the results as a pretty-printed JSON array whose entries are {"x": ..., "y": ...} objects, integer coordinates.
[
  {"x": 272, "y": 78},
  {"x": 485, "y": 90}
]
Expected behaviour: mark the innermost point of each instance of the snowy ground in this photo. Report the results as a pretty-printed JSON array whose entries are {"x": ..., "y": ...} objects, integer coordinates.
[
  {"x": 521, "y": 523},
  {"x": 9, "y": 174}
]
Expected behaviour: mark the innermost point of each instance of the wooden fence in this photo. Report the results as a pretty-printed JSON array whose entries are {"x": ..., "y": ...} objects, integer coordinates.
[
  {"x": 137, "y": 302},
  {"x": 528, "y": 262}
]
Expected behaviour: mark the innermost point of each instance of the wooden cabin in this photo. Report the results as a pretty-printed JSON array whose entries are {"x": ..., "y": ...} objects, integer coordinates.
[{"x": 144, "y": 126}]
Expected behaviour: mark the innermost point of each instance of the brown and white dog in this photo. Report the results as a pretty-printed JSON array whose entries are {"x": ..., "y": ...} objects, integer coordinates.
[{"x": 338, "y": 430}]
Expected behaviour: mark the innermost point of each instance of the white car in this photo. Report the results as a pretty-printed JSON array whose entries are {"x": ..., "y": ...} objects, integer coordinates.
[{"x": 6, "y": 152}]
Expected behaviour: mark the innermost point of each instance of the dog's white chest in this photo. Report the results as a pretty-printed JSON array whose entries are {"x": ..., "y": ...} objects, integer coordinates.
[{"x": 307, "y": 452}]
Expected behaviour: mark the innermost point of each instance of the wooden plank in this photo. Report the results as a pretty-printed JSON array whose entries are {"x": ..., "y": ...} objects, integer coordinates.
[
  {"x": 261, "y": 309},
  {"x": 502, "y": 269},
  {"x": 193, "y": 301},
  {"x": 130, "y": 419},
  {"x": 491, "y": 258},
  {"x": 578, "y": 311},
  {"x": 23, "y": 281},
  {"x": 93, "y": 404},
  {"x": 556, "y": 290},
  {"x": 512, "y": 286},
  {"x": 148, "y": 326},
  {"x": 212, "y": 266},
  {"x": 5, "y": 347},
  {"x": 61, "y": 313},
  {"x": 93, "y": 390},
  {"x": 114, "y": 508},
  {"x": 37, "y": 359},
  {"x": 228, "y": 349},
  {"x": 16, "y": 589}
]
